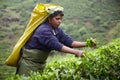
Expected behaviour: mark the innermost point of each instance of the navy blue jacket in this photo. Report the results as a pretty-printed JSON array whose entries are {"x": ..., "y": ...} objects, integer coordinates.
[{"x": 46, "y": 39}]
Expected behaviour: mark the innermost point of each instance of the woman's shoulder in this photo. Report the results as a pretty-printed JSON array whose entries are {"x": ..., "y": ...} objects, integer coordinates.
[{"x": 43, "y": 28}]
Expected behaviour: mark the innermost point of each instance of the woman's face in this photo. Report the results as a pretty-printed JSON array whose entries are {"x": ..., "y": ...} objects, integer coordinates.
[{"x": 55, "y": 21}]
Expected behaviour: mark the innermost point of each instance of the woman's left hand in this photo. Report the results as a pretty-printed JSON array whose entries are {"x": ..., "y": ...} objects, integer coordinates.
[
  {"x": 94, "y": 43},
  {"x": 91, "y": 42}
]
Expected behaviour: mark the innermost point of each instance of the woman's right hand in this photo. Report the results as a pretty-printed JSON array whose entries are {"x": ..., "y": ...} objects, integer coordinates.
[
  {"x": 79, "y": 53},
  {"x": 76, "y": 52}
]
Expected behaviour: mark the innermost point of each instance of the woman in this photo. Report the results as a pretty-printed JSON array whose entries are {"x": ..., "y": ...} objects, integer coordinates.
[{"x": 48, "y": 36}]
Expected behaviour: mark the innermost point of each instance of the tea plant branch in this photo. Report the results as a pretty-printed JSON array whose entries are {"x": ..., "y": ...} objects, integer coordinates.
[{"x": 89, "y": 58}]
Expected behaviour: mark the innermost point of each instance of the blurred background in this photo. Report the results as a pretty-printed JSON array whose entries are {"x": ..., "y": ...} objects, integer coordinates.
[{"x": 83, "y": 19}]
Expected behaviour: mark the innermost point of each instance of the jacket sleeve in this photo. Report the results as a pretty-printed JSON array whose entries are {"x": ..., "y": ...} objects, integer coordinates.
[{"x": 65, "y": 39}]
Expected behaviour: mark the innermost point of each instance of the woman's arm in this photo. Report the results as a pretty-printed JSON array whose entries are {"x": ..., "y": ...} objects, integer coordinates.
[
  {"x": 77, "y": 44},
  {"x": 66, "y": 49}
]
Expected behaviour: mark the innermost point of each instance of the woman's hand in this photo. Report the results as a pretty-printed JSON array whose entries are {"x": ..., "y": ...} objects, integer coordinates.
[
  {"x": 91, "y": 42},
  {"x": 94, "y": 43},
  {"x": 79, "y": 53}
]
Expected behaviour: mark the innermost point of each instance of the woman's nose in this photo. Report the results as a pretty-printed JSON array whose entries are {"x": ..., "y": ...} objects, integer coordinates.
[{"x": 60, "y": 20}]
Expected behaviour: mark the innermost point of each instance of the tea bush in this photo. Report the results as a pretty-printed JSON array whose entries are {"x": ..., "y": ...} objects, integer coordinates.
[{"x": 98, "y": 64}]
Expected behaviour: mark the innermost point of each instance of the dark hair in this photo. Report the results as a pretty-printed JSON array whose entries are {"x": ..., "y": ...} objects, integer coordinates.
[{"x": 56, "y": 13}]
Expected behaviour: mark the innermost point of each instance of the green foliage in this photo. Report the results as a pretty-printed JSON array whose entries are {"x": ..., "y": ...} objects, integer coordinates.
[
  {"x": 100, "y": 64},
  {"x": 89, "y": 42},
  {"x": 115, "y": 31},
  {"x": 2, "y": 35},
  {"x": 4, "y": 70},
  {"x": 83, "y": 19}
]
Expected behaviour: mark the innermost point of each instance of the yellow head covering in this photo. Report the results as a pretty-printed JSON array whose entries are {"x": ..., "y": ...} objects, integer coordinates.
[{"x": 39, "y": 14}]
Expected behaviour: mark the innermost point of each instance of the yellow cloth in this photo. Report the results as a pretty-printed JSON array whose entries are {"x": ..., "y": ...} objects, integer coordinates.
[{"x": 39, "y": 14}]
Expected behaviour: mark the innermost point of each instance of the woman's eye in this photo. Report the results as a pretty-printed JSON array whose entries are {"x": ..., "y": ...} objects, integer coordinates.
[{"x": 57, "y": 18}]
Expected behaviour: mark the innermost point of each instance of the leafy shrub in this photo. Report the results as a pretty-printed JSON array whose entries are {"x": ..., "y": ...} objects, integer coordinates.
[{"x": 100, "y": 64}]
